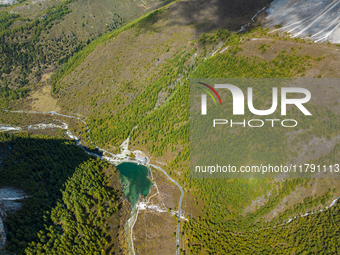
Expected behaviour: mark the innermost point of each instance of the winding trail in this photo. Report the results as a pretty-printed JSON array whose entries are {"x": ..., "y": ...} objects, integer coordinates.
[
  {"x": 301, "y": 216},
  {"x": 179, "y": 206},
  {"x": 243, "y": 28},
  {"x": 313, "y": 212},
  {"x": 113, "y": 159}
]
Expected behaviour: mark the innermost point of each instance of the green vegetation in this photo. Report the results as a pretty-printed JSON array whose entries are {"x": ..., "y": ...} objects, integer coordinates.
[
  {"x": 167, "y": 128},
  {"x": 86, "y": 204},
  {"x": 22, "y": 49},
  {"x": 27, "y": 51},
  {"x": 116, "y": 128},
  {"x": 222, "y": 34},
  {"x": 79, "y": 58},
  {"x": 159, "y": 106},
  {"x": 263, "y": 47},
  {"x": 315, "y": 234},
  {"x": 308, "y": 204},
  {"x": 64, "y": 187}
]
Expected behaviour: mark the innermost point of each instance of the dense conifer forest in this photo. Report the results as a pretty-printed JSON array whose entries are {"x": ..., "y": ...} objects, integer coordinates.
[
  {"x": 69, "y": 199},
  {"x": 69, "y": 203}
]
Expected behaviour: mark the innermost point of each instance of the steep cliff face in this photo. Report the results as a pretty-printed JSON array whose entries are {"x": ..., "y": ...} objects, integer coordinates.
[{"x": 317, "y": 20}]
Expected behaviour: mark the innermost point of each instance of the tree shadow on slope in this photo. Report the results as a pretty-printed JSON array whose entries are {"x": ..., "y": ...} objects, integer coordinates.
[{"x": 40, "y": 166}]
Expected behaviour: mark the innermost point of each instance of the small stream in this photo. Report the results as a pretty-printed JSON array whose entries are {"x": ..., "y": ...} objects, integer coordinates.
[{"x": 134, "y": 183}]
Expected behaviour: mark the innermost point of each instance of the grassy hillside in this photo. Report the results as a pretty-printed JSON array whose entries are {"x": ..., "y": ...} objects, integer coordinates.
[
  {"x": 37, "y": 37},
  {"x": 140, "y": 75}
]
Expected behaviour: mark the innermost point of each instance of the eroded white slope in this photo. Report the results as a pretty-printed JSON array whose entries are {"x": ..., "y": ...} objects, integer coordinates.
[
  {"x": 8, "y": 1},
  {"x": 318, "y": 20}
]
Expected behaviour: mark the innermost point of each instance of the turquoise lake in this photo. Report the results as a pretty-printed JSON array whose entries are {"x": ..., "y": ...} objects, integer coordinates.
[{"x": 134, "y": 180}]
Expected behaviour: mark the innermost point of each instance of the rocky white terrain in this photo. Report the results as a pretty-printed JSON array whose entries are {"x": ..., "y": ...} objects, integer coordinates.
[
  {"x": 8, "y": 204},
  {"x": 317, "y": 20},
  {"x": 8, "y": 1}
]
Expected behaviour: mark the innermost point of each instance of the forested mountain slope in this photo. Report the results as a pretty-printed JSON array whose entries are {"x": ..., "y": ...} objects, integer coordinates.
[
  {"x": 36, "y": 37},
  {"x": 140, "y": 75},
  {"x": 143, "y": 80},
  {"x": 68, "y": 195}
]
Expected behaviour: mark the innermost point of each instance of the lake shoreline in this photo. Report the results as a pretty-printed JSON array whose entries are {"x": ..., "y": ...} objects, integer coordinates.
[{"x": 136, "y": 183}]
